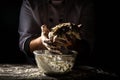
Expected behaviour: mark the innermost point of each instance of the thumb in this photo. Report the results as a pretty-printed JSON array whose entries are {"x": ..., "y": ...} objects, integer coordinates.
[{"x": 44, "y": 30}]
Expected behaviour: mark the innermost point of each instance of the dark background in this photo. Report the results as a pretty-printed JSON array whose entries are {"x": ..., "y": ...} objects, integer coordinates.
[
  {"x": 107, "y": 47},
  {"x": 9, "y": 22}
]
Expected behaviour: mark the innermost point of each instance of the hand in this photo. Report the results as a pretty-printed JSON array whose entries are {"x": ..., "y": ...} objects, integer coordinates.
[
  {"x": 54, "y": 43},
  {"x": 51, "y": 46},
  {"x": 39, "y": 42},
  {"x": 61, "y": 43},
  {"x": 44, "y": 35}
]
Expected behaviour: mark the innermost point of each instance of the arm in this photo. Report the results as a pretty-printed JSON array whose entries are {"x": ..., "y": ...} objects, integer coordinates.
[
  {"x": 29, "y": 30},
  {"x": 88, "y": 22},
  {"x": 87, "y": 44},
  {"x": 38, "y": 43}
]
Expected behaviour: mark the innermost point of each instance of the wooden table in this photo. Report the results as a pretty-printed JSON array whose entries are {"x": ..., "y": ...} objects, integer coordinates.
[{"x": 31, "y": 72}]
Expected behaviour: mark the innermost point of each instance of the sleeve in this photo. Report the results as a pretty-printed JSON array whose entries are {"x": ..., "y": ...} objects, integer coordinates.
[
  {"x": 88, "y": 20},
  {"x": 87, "y": 44},
  {"x": 28, "y": 27}
]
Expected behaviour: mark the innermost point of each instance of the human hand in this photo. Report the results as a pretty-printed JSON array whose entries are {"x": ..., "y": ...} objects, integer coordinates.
[
  {"x": 44, "y": 35},
  {"x": 47, "y": 42},
  {"x": 54, "y": 43},
  {"x": 60, "y": 43}
]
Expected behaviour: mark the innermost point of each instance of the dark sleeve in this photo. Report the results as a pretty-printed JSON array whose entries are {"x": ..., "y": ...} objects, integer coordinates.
[
  {"x": 28, "y": 27},
  {"x": 87, "y": 44},
  {"x": 88, "y": 20}
]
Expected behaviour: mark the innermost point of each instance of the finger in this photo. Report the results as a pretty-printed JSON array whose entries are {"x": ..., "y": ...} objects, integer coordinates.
[
  {"x": 55, "y": 51},
  {"x": 44, "y": 30},
  {"x": 79, "y": 25},
  {"x": 50, "y": 36},
  {"x": 48, "y": 41},
  {"x": 66, "y": 44},
  {"x": 54, "y": 38},
  {"x": 62, "y": 41}
]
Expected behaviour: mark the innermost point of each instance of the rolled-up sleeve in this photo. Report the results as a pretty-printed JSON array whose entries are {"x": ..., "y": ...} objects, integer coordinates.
[{"x": 28, "y": 27}]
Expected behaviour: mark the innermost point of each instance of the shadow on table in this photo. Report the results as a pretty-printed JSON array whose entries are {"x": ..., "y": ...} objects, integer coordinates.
[{"x": 86, "y": 73}]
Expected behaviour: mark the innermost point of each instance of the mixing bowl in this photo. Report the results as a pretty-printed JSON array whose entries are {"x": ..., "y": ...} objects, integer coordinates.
[{"x": 50, "y": 63}]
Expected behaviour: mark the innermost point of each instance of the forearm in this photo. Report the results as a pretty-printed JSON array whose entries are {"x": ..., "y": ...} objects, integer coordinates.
[{"x": 36, "y": 44}]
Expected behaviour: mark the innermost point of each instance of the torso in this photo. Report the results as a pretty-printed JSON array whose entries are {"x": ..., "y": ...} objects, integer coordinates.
[{"x": 52, "y": 15}]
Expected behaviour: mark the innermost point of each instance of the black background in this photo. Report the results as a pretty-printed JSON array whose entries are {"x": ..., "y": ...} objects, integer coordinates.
[
  {"x": 107, "y": 47},
  {"x": 9, "y": 22}
]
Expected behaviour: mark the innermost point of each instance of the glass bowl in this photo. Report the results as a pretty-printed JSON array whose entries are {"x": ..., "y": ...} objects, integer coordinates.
[{"x": 50, "y": 63}]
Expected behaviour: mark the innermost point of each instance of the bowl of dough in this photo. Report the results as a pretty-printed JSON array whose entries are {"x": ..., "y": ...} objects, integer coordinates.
[{"x": 50, "y": 63}]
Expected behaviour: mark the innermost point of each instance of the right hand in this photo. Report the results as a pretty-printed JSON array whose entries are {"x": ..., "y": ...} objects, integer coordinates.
[
  {"x": 48, "y": 42},
  {"x": 44, "y": 35}
]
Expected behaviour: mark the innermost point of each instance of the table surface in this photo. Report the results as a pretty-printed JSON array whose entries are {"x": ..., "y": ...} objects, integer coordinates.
[{"x": 31, "y": 72}]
